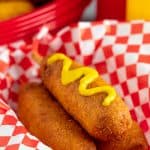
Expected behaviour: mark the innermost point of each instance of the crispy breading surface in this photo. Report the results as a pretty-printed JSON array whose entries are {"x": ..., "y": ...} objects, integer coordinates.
[
  {"x": 101, "y": 122},
  {"x": 47, "y": 120},
  {"x": 133, "y": 140}
]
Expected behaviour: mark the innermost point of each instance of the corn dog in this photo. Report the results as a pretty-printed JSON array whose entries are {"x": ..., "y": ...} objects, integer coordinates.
[
  {"x": 132, "y": 140},
  {"x": 101, "y": 112},
  {"x": 46, "y": 119}
]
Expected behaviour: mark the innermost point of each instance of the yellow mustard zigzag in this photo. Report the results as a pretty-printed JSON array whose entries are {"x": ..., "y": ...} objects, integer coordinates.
[{"x": 87, "y": 75}]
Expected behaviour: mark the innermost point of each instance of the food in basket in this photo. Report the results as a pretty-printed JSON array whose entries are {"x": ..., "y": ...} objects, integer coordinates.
[
  {"x": 47, "y": 120},
  {"x": 133, "y": 140},
  {"x": 86, "y": 97},
  {"x": 13, "y": 8}
]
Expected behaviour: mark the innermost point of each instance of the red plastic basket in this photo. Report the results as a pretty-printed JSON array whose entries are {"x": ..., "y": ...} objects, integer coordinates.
[{"x": 57, "y": 14}]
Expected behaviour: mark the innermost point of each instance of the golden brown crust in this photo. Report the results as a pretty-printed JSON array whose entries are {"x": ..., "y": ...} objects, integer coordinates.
[
  {"x": 133, "y": 140},
  {"x": 47, "y": 120},
  {"x": 99, "y": 121}
]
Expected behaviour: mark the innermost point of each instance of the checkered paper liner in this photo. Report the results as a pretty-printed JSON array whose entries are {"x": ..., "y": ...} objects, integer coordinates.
[{"x": 119, "y": 51}]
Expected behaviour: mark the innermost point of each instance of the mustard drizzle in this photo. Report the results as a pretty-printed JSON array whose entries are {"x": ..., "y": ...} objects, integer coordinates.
[{"x": 88, "y": 76}]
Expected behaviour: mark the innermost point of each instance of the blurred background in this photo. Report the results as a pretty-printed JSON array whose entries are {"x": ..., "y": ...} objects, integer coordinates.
[
  {"x": 19, "y": 18},
  {"x": 95, "y": 9}
]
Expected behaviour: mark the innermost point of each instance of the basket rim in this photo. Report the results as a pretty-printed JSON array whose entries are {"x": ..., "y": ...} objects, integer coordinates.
[{"x": 10, "y": 28}]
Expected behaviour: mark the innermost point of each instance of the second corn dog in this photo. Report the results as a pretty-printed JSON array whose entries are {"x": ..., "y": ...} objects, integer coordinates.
[
  {"x": 101, "y": 122},
  {"x": 133, "y": 140},
  {"x": 45, "y": 118}
]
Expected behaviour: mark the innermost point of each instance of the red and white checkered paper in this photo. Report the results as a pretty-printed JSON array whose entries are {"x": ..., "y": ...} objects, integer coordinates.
[{"x": 119, "y": 51}]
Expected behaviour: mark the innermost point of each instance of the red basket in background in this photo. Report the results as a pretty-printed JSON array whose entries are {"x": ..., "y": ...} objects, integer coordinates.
[
  {"x": 57, "y": 14},
  {"x": 123, "y": 9},
  {"x": 111, "y": 9}
]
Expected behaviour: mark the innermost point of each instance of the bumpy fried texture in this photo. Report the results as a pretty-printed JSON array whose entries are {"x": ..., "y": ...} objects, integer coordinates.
[
  {"x": 101, "y": 122},
  {"x": 133, "y": 140},
  {"x": 46, "y": 119}
]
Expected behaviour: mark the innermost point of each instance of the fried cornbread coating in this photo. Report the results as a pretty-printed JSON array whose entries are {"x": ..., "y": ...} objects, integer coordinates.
[
  {"x": 133, "y": 140},
  {"x": 48, "y": 121},
  {"x": 101, "y": 122}
]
